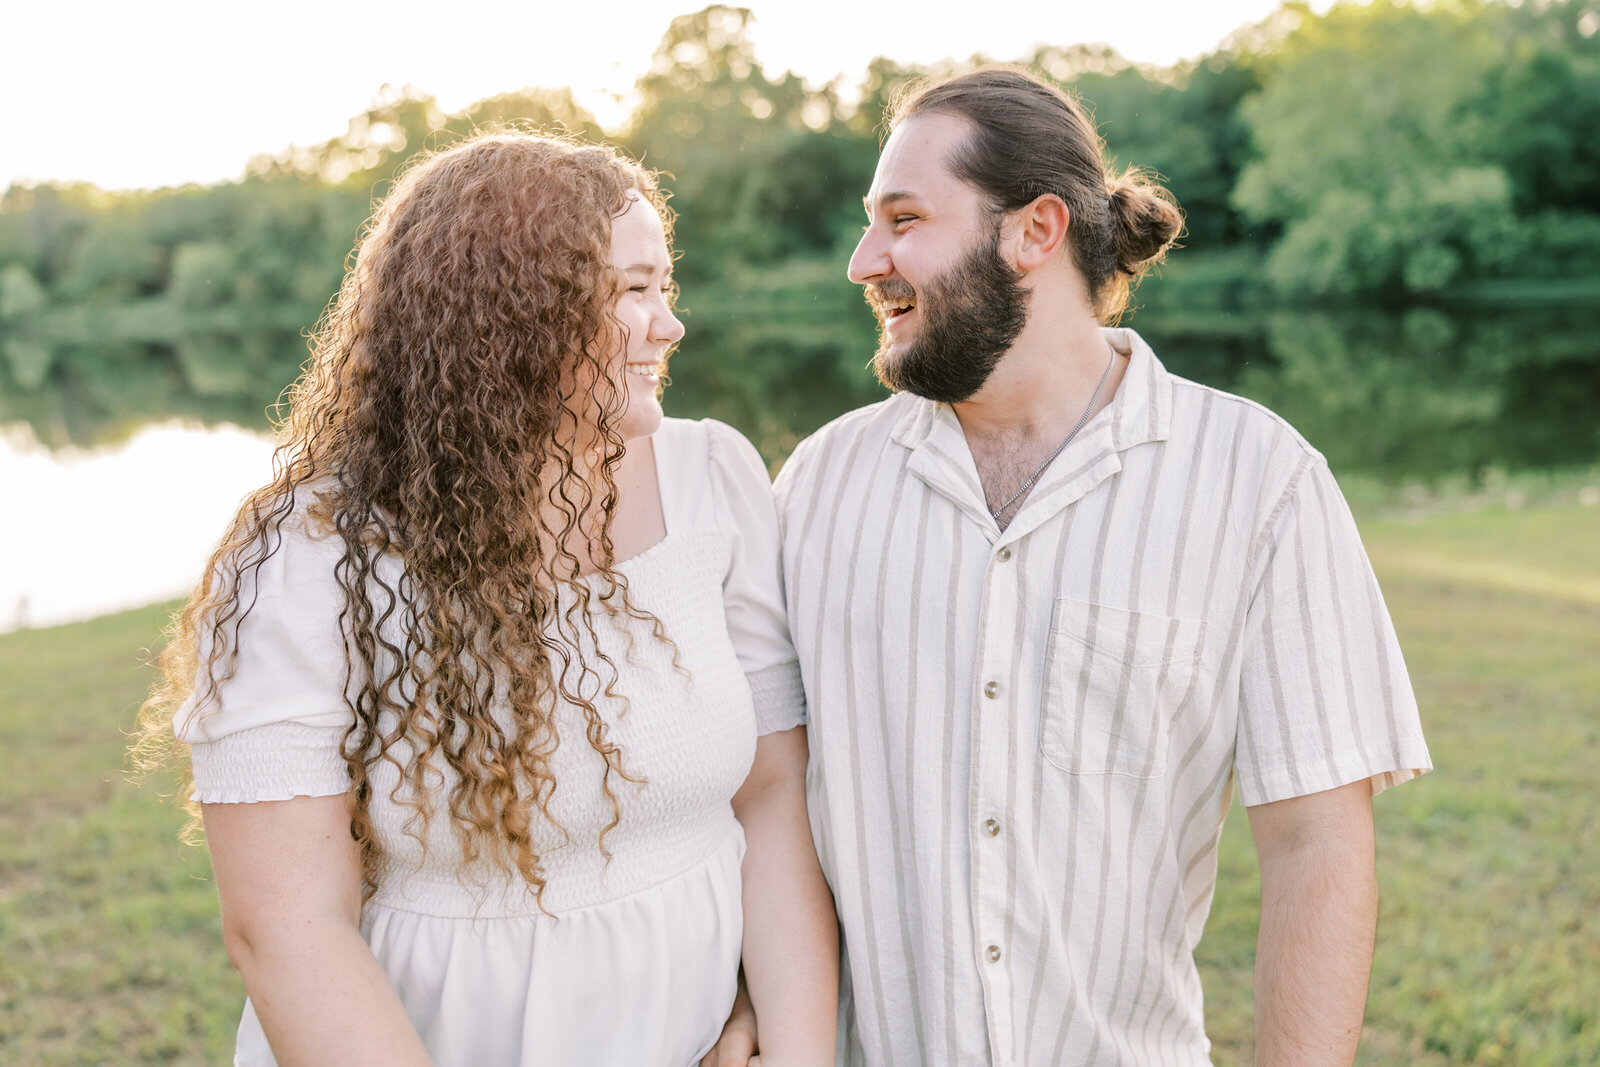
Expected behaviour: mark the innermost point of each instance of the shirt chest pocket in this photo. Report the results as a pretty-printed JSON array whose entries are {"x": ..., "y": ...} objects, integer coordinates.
[{"x": 1113, "y": 680}]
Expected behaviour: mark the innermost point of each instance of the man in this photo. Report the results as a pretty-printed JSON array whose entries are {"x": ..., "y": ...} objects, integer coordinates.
[{"x": 1051, "y": 603}]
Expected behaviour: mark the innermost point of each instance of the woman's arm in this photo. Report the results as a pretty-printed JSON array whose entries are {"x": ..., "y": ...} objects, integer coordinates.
[
  {"x": 289, "y": 877},
  {"x": 791, "y": 937}
]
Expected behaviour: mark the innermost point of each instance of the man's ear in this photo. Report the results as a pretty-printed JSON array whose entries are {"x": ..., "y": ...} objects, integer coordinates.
[{"x": 1039, "y": 230}]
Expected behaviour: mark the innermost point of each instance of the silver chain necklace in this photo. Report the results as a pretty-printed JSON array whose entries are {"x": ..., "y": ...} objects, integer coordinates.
[{"x": 995, "y": 514}]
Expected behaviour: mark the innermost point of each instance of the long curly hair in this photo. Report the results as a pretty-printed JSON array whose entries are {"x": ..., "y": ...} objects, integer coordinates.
[{"x": 457, "y": 414}]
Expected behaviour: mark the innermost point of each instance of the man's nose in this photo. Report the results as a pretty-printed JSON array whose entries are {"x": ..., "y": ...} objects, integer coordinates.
[{"x": 870, "y": 260}]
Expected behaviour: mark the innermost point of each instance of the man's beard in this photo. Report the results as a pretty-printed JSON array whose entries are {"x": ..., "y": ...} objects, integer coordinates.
[{"x": 971, "y": 316}]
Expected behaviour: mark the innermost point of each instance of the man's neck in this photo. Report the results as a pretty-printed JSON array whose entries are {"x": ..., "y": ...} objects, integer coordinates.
[
  {"x": 1042, "y": 387},
  {"x": 1050, "y": 384}
]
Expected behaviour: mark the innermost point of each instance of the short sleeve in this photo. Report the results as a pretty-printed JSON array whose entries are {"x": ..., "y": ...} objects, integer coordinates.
[
  {"x": 1324, "y": 698},
  {"x": 752, "y": 589},
  {"x": 273, "y": 727}
]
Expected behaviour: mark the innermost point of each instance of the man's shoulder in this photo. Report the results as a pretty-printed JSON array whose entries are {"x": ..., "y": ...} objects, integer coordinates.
[
  {"x": 1250, "y": 434},
  {"x": 837, "y": 438}
]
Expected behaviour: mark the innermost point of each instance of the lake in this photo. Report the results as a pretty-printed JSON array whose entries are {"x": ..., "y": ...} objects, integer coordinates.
[{"x": 121, "y": 461}]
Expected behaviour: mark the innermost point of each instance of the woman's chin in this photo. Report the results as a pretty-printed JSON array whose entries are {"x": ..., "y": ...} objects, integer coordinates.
[{"x": 643, "y": 416}]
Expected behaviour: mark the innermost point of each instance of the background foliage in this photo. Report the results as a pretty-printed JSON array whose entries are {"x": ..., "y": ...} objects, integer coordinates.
[{"x": 1382, "y": 153}]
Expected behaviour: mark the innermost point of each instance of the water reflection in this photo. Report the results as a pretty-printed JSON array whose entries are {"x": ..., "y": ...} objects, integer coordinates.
[
  {"x": 87, "y": 531},
  {"x": 90, "y": 394},
  {"x": 1417, "y": 394},
  {"x": 1414, "y": 395}
]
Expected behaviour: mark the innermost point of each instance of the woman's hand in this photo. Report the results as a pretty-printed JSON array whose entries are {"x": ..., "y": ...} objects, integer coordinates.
[{"x": 289, "y": 878}]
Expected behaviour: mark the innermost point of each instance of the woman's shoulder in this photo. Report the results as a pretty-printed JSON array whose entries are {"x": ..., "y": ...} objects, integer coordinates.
[
  {"x": 707, "y": 452},
  {"x": 708, "y": 472},
  {"x": 699, "y": 433}
]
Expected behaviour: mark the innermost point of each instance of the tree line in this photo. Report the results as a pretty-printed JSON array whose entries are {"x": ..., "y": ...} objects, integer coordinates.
[{"x": 1384, "y": 152}]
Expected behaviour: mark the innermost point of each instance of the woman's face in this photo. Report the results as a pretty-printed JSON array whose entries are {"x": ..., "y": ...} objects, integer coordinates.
[{"x": 639, "y": 251}]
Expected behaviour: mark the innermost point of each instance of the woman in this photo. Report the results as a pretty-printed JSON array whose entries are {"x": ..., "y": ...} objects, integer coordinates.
[{"x": 472, "y": 688}]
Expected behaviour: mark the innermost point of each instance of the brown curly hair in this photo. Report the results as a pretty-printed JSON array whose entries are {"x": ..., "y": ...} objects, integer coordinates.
[{"x": 458, "y": 414}]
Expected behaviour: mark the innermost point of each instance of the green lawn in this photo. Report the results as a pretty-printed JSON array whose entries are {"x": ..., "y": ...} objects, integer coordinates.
[
  {"x": 110, "y": 952},
  {"x": 1488, "y": 949},
  {"x": 1489, "y": 932}
]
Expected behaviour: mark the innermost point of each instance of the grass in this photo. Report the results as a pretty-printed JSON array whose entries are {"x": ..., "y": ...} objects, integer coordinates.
[
  {"x": 1489, "y": 931},
  {"x": 1488, "y": 945},
  {"x": 109, "y": 936}
]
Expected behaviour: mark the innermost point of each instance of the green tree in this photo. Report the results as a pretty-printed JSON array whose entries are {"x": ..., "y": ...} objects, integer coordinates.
[
  {"x": 116, "y": 258},
  {"x": 1181, "y": 124},
  {"x": 539, "y": 109},
  {"x": 203, "y": 276},
  {"x": 20, "y": 295},
  {"x": 41, "y": 225},
  {"x": 758, "y": 167},
  {"x": 1537, "y": 113},
  {"x": 1363, "y": 159}
]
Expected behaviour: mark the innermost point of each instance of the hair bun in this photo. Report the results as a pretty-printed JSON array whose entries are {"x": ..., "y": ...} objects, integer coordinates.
[{"x": 1145, "y": 221}]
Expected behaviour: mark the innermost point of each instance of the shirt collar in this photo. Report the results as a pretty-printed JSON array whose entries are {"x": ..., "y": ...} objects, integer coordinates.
[{"x": 1139, "y": 412}]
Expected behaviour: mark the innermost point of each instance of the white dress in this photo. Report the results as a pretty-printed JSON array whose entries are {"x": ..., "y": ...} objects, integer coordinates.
[{"x": 638, "y": 963}]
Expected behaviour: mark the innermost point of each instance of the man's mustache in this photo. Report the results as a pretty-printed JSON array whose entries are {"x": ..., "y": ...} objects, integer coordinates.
[{"x": 893, "y": 290}]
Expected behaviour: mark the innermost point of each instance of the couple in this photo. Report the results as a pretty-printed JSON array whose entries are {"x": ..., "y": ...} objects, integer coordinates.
[{"x": 521, "y": 717}]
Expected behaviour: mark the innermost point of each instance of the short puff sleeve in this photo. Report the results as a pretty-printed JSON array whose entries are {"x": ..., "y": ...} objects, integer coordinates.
[
  {"x": 752, "y": 589},
  {"x": 272, "y": 728}
]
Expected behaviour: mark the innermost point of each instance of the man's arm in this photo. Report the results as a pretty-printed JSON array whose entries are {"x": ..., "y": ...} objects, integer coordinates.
[{"x": 1319, "y": 918}]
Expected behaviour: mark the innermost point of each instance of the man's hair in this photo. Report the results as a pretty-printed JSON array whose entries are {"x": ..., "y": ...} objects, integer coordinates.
[{"x": 1029, "y": 138}]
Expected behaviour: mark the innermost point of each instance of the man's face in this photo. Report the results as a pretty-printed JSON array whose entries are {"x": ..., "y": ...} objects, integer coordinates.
[{"x": 948, "y": 304}]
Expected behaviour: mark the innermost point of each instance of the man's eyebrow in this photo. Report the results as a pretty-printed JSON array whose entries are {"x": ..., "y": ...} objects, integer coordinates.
[{"x": 887, "y": 198}]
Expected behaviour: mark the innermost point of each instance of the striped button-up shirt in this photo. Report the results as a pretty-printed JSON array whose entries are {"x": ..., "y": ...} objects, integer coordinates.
[{"x": 1024, "y": 741}]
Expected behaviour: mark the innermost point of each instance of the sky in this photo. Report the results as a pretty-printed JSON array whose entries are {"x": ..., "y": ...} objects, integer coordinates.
[{"x": 132, "y": 94}]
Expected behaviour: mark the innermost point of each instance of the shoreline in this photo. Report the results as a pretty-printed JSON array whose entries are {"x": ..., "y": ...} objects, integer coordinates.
[{"x": 1372, "y": 501}]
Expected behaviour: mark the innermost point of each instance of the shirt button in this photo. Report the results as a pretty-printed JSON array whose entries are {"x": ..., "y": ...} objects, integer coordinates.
[
  {"x": 991, "y": 690},
  {"x": 991, "y": 827},
  {"x": 993, "y": 953},
  {"x": 1003, "y": 555}
]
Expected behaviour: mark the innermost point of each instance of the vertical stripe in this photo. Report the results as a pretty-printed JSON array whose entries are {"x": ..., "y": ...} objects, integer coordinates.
[
  {"x": 1207, "y": 730},
  {"x": 1318, "y": 694},
  {"x": 1098, "y": 571},
  {"x": 1280, "y": 709},
  {"x": 1131, "y": 642},
  {"x": 1179, "y": 560},
  {"x": 900, "y": 847},
  {"x": 956, "y": 949},
  {"x": 1043, "y": 961},
  {"x": 1132, "y": 887},
  {"x": 1347, "y": 675}
]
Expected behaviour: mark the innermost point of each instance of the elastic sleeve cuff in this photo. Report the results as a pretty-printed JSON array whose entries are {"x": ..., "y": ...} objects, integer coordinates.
[
  {"x": 279, "y": 761},
  {"x": 779, "y": 697}
]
